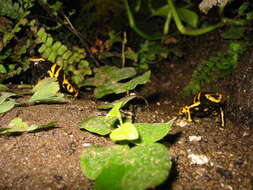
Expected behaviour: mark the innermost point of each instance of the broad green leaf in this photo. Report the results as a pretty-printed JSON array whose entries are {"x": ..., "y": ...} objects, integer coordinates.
[
  {"x": 99, "y": 124},
  {"x": 109, "y": 74},
  {"x": 234, "y": 33},
  {"x": 5, "y": 95},
  {"x": 7, "y": 106},
  {"x": 112, "y": 104},
  {"x": 94, "y": 158},
  {"x": 117, "y": 87},
  {"x": 18, "y": 126},
  {"x": 188, "y": 16},
  {"x": 3, "y": 87},
  {"x": 152, "y": 132},
  {"x": 47, "y": 91},
  {"x": 125, "y": 132},
  {"x": 141, "y": 167}
]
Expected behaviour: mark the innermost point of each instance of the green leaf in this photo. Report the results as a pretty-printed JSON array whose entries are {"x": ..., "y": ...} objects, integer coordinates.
[
  {"x": 124, "y": 100},
  {"x": 5, "y": 95},
  {"x": 117, "y": 87},
  {"x": 47, "y": 91},
  {"x": 115, "y": 111},
  {"x": 2, "y": 69},
  {"x": 152, "y": 132},
  {"x": 138, "y": 168},
  {"x": 234, "y": 33},
  {"x": 162, "y": 11},
  {"x": 99, "y": 124},
  {"x": 125, "y": 132},
  {"x": 109, "y": 74},
  {"x": 18, "y": 126},
  {"x": 7, "y": 106},
  {"x": 188, "y": 16},
  {"x": 94, "y": 158},
  {"x": 3, "y": 87}
]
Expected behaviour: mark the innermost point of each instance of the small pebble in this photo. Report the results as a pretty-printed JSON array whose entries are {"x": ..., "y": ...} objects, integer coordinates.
[
  {"x": 198, "y": 159},
  {"x": 195, "y": 138}
]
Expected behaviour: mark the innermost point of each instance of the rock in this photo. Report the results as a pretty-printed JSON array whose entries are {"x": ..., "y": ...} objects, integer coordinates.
[{"x": 240, "y": 100}]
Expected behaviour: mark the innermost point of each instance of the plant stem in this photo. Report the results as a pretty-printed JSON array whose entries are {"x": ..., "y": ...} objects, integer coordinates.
[{"x": 183, "y": 30}]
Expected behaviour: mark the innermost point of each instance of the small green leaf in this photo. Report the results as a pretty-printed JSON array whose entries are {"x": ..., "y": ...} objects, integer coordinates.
[
  {"x": 5, "y": 95},
  {"x": 188, "y": 16},
  {"x": 124, "y": 100},
  {"x": 7, "y": 106},
  {"x": 152, "y": 132},
  {"x": 47, "y": 91},
  {"x": 99, "y": 124},
  {"x": 115, "y": 111},
  {"x": 18, "y": 126},
  {"x": 125, "y": 132},
  {"x": 2, "y": 69}
]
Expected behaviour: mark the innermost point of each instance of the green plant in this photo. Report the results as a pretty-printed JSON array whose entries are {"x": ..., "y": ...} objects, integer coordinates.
[
  {"x": 14, "y": 51},
  {"x": 145, "y": 165},
  {"x": 108, "y": 80},
  {"x": 46, "y": 91},
  {"x": 6, "y": 102},
  {"x": 72, "y": 59},
  {"x": 215, "y": 67},
  {"x": 170, "y": 12},
  {"x": 18, "y": 126},
  {"x": 242, "y": 19}
]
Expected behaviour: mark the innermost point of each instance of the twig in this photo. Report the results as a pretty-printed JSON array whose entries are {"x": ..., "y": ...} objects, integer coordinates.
[{"x": 123, "y": 57}]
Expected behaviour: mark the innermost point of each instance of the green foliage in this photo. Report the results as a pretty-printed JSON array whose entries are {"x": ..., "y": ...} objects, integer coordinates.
[
  {"x": 99, "y": 124},
  {"x": 123, "y": 101},
  {"x": 113, "y": 124},
  {"x": 171, "y": 12},
  {"x": 47, "y": 90},
  {"x": 11, "y": 9},
  {"x": 72, "y": 59},
  {"x": 239, "y": 24},
  {"x": 14, "y": 50},
  {"x": 149, "y": 52},
  {"x": 119, "y": 167},
  {"x": 18, "y": 126},
  {"x": 7, "y": 103},
  {"x": 215, "y": 67},
  {"x": 107, "y": 80}
]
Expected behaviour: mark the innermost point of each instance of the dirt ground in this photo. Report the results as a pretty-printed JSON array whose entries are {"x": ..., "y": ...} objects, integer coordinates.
[{"x": 49, "y": 160}]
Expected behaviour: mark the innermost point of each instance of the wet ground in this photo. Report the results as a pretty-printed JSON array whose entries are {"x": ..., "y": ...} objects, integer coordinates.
[{"x": 205, "y": 156}]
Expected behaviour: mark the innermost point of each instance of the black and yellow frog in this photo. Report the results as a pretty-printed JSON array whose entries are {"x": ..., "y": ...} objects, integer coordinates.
[
  {"x": 41, "y": 68},
  {"x": 205, "y": 104}
]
